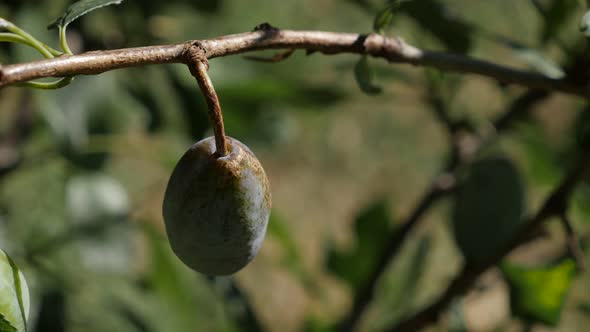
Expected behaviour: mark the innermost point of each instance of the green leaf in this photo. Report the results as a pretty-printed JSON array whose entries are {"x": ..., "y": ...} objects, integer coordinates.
[
  {"x": 435, "y": 17},
  {"x": 78, "y": 9},
  {"x": 383, "y": 19},
  {"x": 559, "y": 13},
  {"x": 539, "y": 293},
  {"x": 385, "y": 16},
  {"x": 364, "y": 77},
  {"x": 371, "y": 230},
  {"x": 14, "y": 295},
  {"x": 488, "y": 208},
  {"x": 5, "y": 325}
]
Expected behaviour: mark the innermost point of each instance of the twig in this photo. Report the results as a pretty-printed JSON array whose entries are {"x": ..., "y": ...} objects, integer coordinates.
[
  {"x": 198, "y": 65},
  {"x": 573, "y": 244},
  {"x": 392, "y": 49},
  {"x": 554, "y": 205}
]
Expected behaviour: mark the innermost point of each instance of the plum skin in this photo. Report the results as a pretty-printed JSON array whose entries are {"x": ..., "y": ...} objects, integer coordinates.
[{"x": 216, "y": 209}]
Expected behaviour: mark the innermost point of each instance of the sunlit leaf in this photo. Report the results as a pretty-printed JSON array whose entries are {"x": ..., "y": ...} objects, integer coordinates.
[
  {"x": 488, "y": 209},
  {"x": 539, "y": 293},
  {"x": 14, "y": 295},
  {"x": 364, "y": 77},
  {"x": 371, "y": 229},
  {"x": 78, "y": 9}
]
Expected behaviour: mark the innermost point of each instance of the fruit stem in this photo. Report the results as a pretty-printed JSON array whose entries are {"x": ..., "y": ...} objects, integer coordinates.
[{"x": 199, "y": 66}]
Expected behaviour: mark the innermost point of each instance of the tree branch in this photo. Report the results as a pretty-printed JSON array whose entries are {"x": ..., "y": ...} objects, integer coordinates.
[{"x": 392, "y": 49}]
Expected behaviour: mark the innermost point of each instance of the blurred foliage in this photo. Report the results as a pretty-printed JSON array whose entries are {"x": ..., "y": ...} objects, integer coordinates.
[
  {"x": 83, "y": 168},
  {"x": 489, "y": 209},
  {"x": 371, "y": 229},
  {"x": 539, "y": 294}
]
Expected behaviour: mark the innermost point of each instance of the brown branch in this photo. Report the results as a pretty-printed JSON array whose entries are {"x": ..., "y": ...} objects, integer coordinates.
[
  {"x": 198, "y": 65},
  {"x": 391, "y": 49},
  {"x": 554, "y": 205}
]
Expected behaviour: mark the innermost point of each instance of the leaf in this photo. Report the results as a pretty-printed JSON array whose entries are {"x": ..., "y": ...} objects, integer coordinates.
[
  {"x": 558, "y": 14},
  {"x": 383, "y": 20},
  {"x": 14, "y": 294},
  {"x": 539, "y": 293},
  {"x": 78, "y": 9},
  {"x": 4, "y": 24},
  {"x": 539, "y": 62},
  {"x": 5, "y": 325},
  {"x": 364, "y": 77},
  {"x": 488, "y": 208},
  {"x": 371, "y": 230},
  {"x": 434, "y": 16},
  {"x": 385, "y": 16}
]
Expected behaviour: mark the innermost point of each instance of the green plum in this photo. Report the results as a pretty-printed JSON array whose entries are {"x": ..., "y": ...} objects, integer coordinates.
[{"x": 216, "y": 209}]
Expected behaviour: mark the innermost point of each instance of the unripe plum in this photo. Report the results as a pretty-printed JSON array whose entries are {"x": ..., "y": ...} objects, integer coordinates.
[{"x": 216, "y": 209}]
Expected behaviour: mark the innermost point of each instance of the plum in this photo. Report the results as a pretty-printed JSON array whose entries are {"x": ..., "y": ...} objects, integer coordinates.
[{"x": 216, "y": 208}]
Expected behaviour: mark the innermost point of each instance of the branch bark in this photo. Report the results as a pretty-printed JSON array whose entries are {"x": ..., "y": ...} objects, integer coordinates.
[{"x": 394, "y": 50}]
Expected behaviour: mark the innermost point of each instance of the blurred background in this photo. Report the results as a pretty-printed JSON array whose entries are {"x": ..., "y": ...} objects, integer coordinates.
[{"x": 83, "y": 169}]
